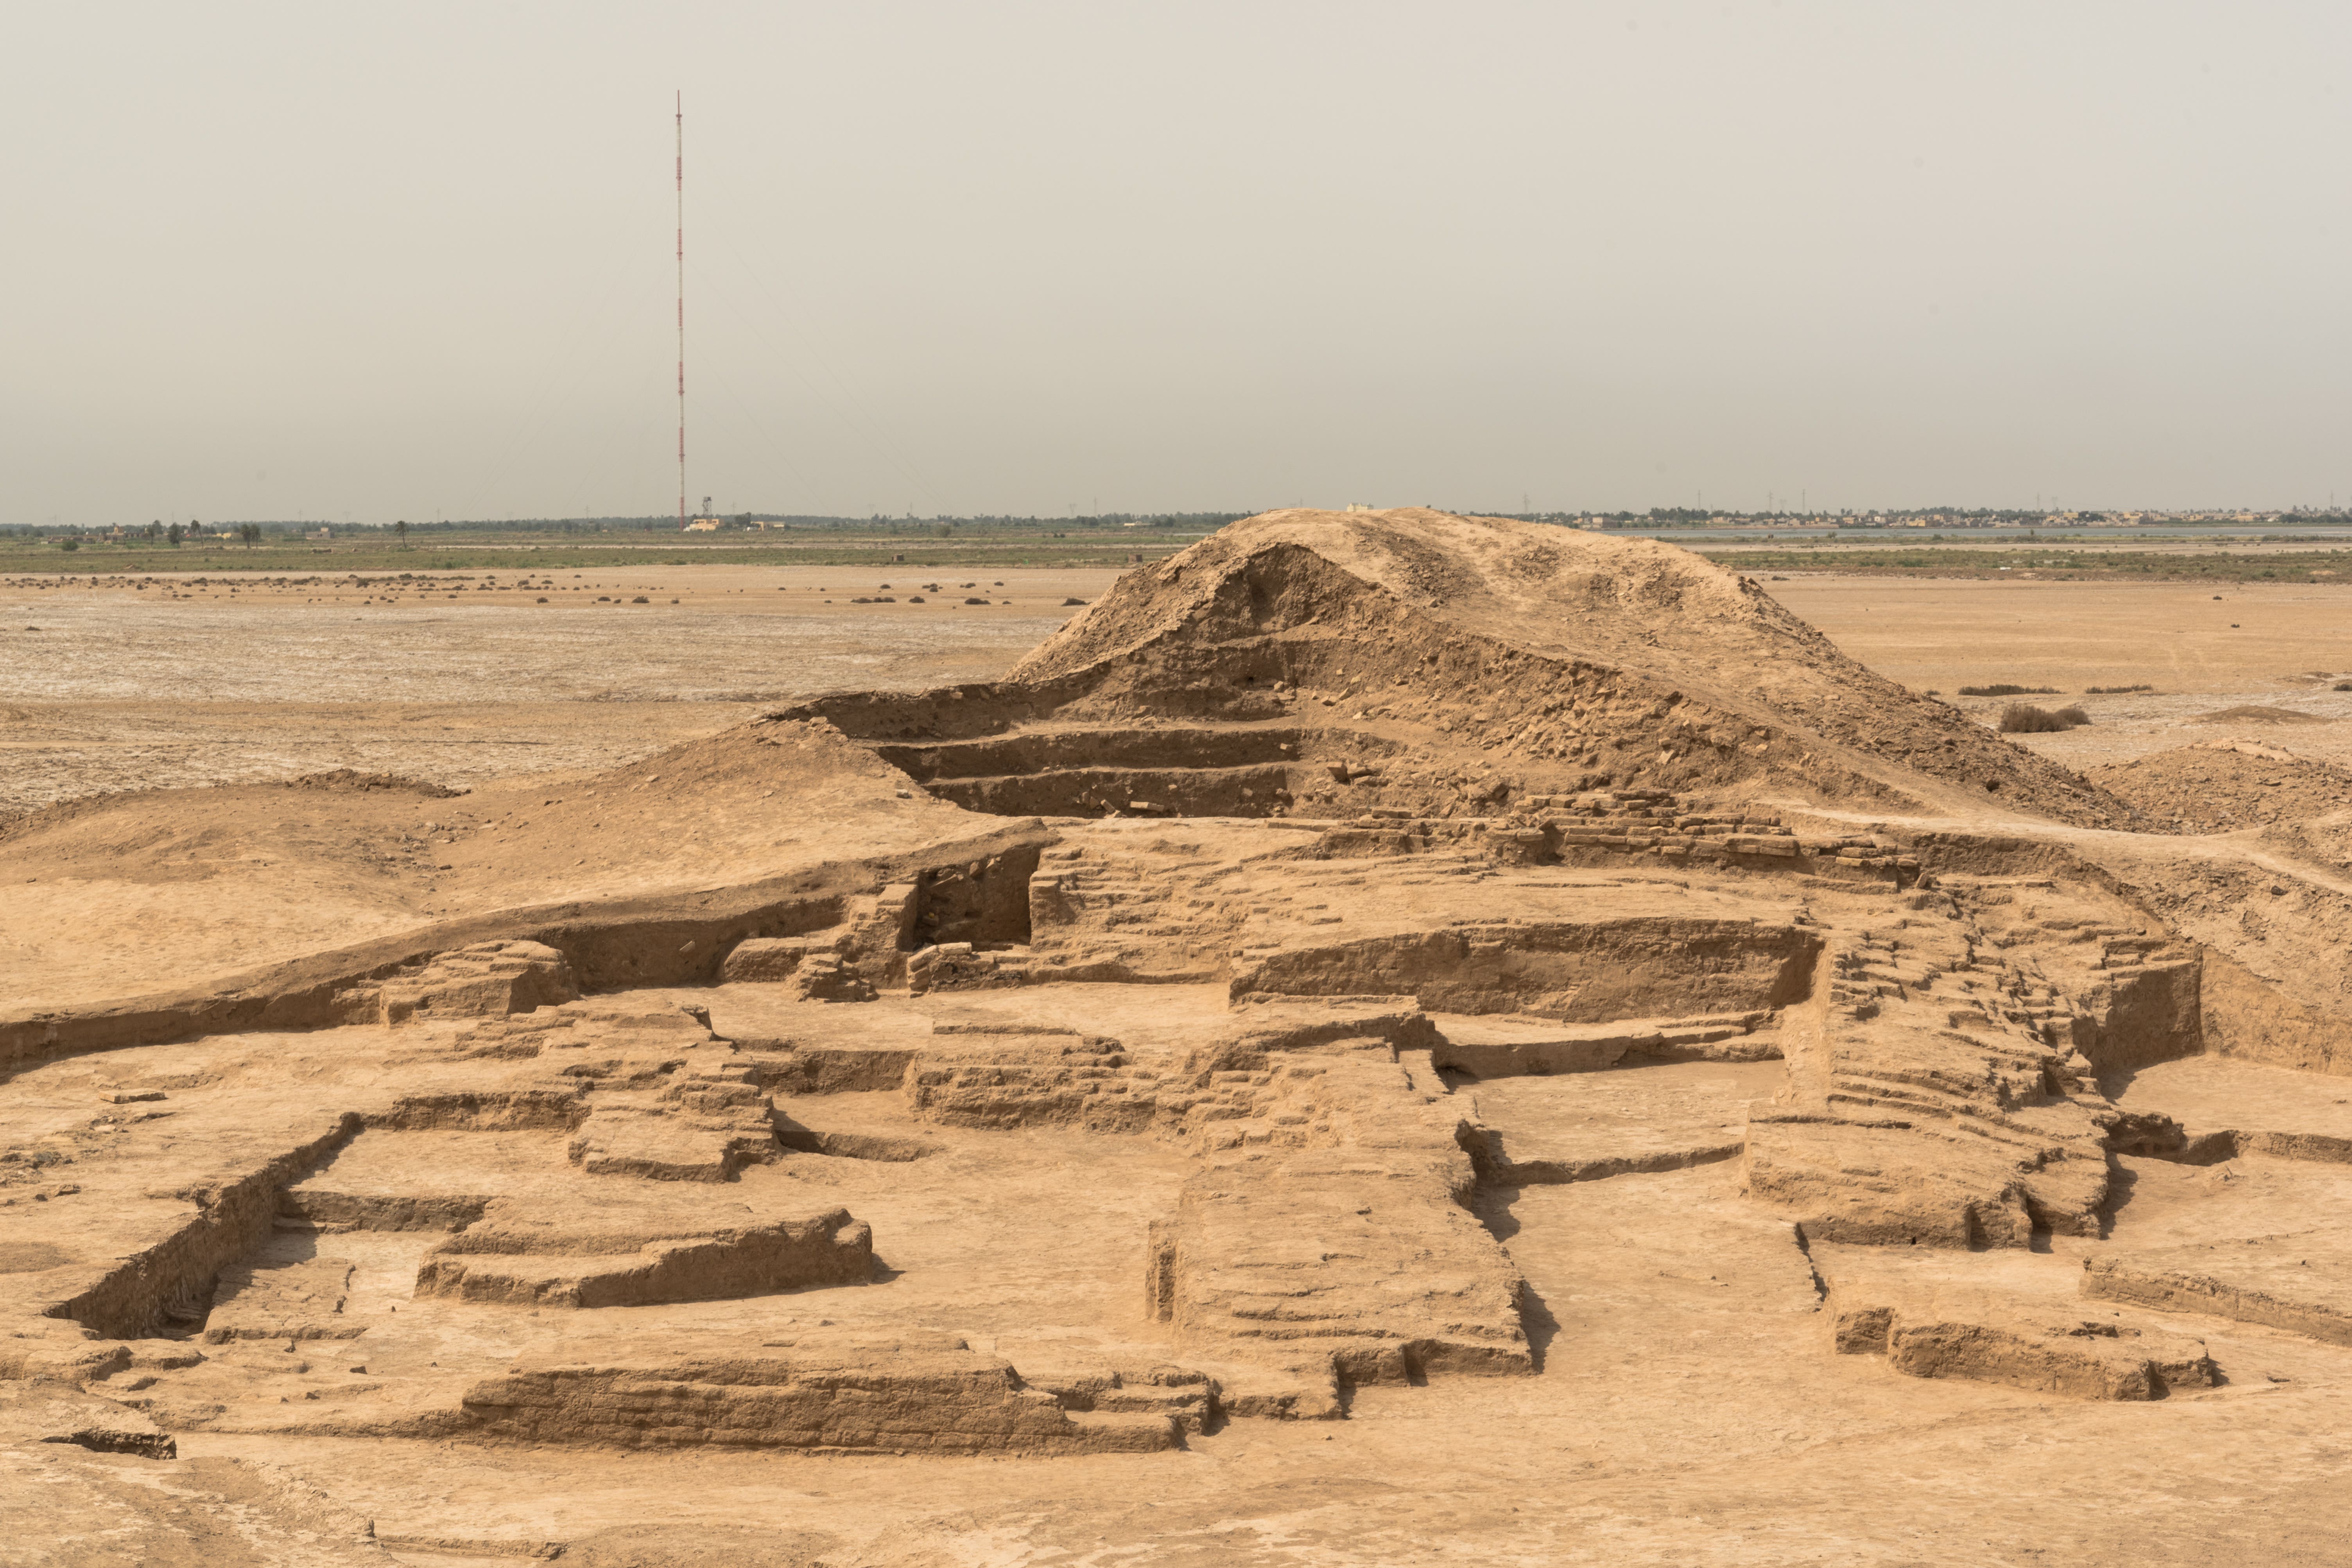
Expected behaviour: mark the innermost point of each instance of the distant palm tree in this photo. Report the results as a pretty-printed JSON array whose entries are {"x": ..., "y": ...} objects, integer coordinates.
[
  {"x": 248, "y": 531},
  {"x": 400, "y": 531}
]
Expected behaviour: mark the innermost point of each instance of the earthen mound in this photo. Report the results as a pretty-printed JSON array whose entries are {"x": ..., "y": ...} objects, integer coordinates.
[
  {"x": 2221, "y": 786},
  {"x": 135, "y": 894},
  {"x": 1440, "y": 660}
]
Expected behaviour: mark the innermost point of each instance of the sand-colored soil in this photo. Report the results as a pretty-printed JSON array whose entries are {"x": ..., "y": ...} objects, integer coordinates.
[
  {"x": 272, "y": 682},
  {"x": 106, "y": 687},
  {"x": 2216, "y": 785},
  {"x": 1948, "y": 633},
  {"x": 2254, "y": 647},
  {"x": 242, "y": 876},
  {"x": 1686, "y": 1414},
  {"x": 1391, "y": 1038}
]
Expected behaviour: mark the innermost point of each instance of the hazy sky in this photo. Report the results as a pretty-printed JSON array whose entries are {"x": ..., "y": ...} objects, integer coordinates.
[{"x": 330, "y": 261}]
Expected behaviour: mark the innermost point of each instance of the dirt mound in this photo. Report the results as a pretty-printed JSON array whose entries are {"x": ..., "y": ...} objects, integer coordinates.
[
  {"x": 128, "y": 894},
  {"x": 2326, "y": 841},
  {"x": 352, "y": 779},
  {"x": 1543, "y": 650},
  {"x": 2256, "y": 713},
  {"x": 2220, "y": 785}
]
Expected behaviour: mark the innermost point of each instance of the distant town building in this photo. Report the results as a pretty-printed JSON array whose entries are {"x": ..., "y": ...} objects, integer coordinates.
[{"x": 703, "y": 525}]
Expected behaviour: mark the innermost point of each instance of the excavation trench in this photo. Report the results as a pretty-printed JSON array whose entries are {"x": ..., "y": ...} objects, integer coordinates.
[{"x": 1234, "y": 770}]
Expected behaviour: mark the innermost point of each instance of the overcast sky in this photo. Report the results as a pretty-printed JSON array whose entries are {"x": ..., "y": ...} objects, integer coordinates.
[{"x": 415, "y": 259}]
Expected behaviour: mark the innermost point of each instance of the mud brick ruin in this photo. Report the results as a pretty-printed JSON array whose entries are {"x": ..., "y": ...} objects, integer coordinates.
[{"x": 1084, "y": 1062}]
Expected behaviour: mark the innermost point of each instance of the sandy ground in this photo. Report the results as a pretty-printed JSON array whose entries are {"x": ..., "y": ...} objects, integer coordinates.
[
  {"x": 2252, "y": 646},
  {"x": 2215, "y": 1091},
  {"x": 1686, "y": 1408},
  {"x": 221, "y": 879},
  {"x": 2178, "y": 636},
  {"x": 174, "y": 684},
  {"x": 104, "y": 686},
  {"x": 1686, "y": 1412}
]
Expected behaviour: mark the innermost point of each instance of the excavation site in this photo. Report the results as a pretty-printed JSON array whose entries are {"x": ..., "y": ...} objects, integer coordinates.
[{"x": 1388, "y": 1037}]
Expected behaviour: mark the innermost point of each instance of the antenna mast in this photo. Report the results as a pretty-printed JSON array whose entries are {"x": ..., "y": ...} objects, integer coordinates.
[{"x": 681, "y": 310}]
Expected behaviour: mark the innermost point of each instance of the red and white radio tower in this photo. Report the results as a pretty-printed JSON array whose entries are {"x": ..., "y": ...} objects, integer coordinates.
[{"x": 681, "y": 310}]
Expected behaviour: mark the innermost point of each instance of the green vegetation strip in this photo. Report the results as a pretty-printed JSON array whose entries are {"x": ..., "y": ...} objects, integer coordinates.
[
  {"x": 2102, "y": 565},
  {"x": 503, "y": 550},
  {"x": 282, "y": 557}
]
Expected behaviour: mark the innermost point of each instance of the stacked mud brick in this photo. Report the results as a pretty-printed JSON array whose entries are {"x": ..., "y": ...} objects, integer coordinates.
[{"x": 1658, "y": 822}]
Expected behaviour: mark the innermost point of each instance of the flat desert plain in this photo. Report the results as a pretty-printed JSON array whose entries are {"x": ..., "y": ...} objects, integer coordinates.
[
  {"x": 2204, "y": 649},
  {"x": 460, "y": 676}
]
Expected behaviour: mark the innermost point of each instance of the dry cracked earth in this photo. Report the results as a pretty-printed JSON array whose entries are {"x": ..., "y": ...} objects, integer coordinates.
[{"x": 1387, "y": 1038}]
